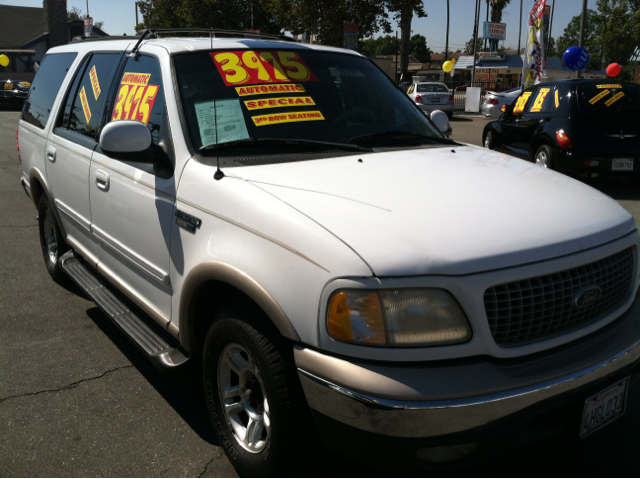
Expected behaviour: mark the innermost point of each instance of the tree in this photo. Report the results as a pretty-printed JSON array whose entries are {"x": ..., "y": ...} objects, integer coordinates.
[
  {"x": 74, "y": 13},
  {"x": 324, "y": 18},
  {"x": 229, "y": 14},
  {"x": 592, "y": 42},
  {"x": 383, "y": 45},
  {"x": 404, "y": 11},
  {"x": 619, "y": 32},
  {"x": 419, "y": 48},
  {"x": 468, "y": 47}
]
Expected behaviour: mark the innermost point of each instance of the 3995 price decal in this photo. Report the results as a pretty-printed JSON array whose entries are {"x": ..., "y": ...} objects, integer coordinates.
[
  {"x": 135, "y": 98},
  {"x": 246, "y": 67}
]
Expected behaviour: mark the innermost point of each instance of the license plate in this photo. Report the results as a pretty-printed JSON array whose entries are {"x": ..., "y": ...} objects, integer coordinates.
[
  {"x": 622, "y": 164},
  {"x": 604, "y": 408},
  {"x": 435, "y": 100}
]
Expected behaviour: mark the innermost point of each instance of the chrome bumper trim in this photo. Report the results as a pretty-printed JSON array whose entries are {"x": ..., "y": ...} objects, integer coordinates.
[{"x": 423, "y": 419}]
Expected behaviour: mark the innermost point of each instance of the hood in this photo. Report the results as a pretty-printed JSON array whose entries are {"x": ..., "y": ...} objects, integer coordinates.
[{"x": 446, "y": 210}]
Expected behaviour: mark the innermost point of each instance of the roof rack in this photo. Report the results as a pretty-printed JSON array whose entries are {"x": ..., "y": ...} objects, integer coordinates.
[
  {"x": 97, "y": 39},
  {"x": 219, "y": 31}
]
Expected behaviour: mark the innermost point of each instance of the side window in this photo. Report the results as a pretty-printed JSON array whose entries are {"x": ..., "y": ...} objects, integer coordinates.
[
  {"x": 542, "y": 100},
  {"x": 85, "y": 115},
  {"x": 521, "y": 103},
  {"x": 63, "y": 118},
  {"x": 140, "y": 95},
  {"x": 45, "y": 87}
]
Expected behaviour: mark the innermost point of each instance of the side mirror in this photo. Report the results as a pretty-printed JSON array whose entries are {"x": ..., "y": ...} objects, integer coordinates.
[
  {"x": 125, "y": 136},
  {"x": 442, "y": 122}
]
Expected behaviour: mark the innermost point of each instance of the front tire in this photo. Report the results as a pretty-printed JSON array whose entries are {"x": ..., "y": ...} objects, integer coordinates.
[
  {"x": 254, "y": 397},
  {"x": 52, "y": 242},
  {"x": 489, "y": 141},
  {"x": 544, "y": 157}
]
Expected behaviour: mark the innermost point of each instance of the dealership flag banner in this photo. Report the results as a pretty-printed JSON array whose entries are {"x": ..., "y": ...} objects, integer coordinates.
[{"x": 533, "y": 65}]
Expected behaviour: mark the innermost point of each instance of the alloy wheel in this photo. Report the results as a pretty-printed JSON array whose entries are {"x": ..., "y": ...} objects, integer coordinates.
[{"x": 50, "y": 237}]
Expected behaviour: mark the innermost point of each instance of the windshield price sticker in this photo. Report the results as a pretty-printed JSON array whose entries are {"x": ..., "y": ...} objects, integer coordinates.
[
  {"x": 269, "y": 89},
  {"x": 599, "y": 97},
  {"x": 614, "y": 99},
  {"x": 537, "y": 105},
  {"x": 135, "y": 98},
  {"x": 85, "y": 104},
  {"x": 8, "y": 86},
  {"x": 287, "y": 118},
  {"x": 246, "y": 67},
  {"x": 95, "y": 85},
  {"x": 279, "y": 102},
  {"x": 522, "y": 101},
  {"x": 608, "y": 86}
]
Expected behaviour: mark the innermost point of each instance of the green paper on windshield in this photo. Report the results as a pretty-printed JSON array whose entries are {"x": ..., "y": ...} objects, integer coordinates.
[{"x": 220, "y": 121}]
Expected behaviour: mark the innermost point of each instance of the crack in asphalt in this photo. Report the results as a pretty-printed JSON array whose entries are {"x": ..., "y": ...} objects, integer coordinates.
[
  {"x": 68, "y": 386},
  {"x": 207, "y": 465}
]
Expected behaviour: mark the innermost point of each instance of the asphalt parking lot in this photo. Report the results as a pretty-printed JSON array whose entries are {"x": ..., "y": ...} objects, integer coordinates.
[{"x": 77, "y": 399}]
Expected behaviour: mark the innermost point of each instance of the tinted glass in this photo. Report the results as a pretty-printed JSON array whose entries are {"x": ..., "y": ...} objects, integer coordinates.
[
  {"x": 609, "y": 98},
  {"x": 140, "y": 94},
  {"x": 235, "y": 96},
  {"x": 520, "y": 104},
  {"x": 91, "y": 93},
  {"x": 63, "y": 120},
  {"x": 45, "y": 87},
  {"x": 432, "y": 89},
  {"x": 541, "y": 100}
]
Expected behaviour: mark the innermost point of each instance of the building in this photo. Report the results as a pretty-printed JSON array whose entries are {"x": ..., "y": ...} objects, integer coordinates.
[{"x": 26, "y": 33}]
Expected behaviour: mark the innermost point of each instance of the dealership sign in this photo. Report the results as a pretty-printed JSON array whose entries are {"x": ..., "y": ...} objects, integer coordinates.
[{"x": 495, "y": 31}]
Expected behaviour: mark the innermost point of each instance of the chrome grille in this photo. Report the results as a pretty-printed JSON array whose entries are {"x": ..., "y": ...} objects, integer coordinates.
[{"x": 539, "y": 308}]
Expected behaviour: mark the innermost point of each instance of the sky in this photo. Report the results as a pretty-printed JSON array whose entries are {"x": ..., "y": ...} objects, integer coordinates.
[{"x": 119, "y": 17}]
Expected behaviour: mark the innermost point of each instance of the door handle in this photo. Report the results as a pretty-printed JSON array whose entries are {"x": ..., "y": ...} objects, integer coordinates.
[
  {"x": 102, "y": 180},
  {"x": 51, "y": 154}
]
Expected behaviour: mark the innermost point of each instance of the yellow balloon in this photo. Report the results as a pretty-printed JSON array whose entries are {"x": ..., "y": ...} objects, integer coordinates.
[
  {"x": 447, "y": 66},
  {"x": 453, "y": 60},
  {"x": 4, "y": 60}
]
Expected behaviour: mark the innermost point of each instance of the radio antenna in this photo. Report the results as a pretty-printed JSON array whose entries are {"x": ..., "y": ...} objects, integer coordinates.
[{"x": 218, "y": 175}]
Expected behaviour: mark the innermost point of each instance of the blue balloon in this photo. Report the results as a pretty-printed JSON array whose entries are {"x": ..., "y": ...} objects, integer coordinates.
[{"x": 576, "y": 58}]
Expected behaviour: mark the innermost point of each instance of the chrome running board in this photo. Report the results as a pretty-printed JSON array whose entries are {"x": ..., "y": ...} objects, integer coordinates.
[{"x": 151, "y": 342}]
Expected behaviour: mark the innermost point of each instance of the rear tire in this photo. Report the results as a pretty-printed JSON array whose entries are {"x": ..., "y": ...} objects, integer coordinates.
[
  {"x": 544, "y": 157},
  {"x": 254, "y": 396},
  {"x": 52, "y": 242},
  {"x": 488, "y": 140}
]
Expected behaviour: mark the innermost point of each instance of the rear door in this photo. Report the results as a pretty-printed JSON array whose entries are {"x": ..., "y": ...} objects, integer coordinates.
[
  {"x": 71, "y": 144},
  {"x": 509, "y": 122},
  {"x": 533, "y": 116}
]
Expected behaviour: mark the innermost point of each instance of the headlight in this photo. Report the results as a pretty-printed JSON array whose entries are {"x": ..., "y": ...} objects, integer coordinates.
[{"x": 397, "y": 318}]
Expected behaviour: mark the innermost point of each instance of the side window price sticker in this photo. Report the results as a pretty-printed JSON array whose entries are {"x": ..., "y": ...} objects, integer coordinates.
[
  {"x": 262, "y": 120},
  {"x": 279, "y": 102},
  {"x": 95, "y": 85},
  {"x": 135, "y": 98},
  {"x": 8, "y": 86},
  {"x": 522, "y": 101},
  {"x": 269, "y": 89},
  {"x": 557, "y": 98},
  {"x": 608, "y": 86},
  {"x": 614, "y": 99},
  {"x": 599, "y": 97},
  {"x": 537, "y": 105},
  {"x": 246, "y": 67},
  {"x": 85, "y": 105}
]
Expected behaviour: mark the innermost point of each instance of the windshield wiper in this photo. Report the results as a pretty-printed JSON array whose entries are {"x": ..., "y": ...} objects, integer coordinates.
[
  {"x": 283, "y": 142},
  {"x": 397, "y": 133}
]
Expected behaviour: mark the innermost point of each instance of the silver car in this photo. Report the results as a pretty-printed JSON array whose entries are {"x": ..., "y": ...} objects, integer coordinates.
[
  {"x": 430, "y": 96},
  {"x": 493, "y": 102}
]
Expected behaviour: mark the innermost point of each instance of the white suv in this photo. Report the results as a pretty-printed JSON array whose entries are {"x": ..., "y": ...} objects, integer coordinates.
[{"x": 336, "y": 263}]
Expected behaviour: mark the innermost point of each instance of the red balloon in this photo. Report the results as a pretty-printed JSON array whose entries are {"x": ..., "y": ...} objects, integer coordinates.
[{"x": 613, "y": 69}]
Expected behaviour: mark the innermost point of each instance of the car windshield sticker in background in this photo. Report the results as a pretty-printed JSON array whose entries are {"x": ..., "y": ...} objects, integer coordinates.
[
  {"x": 522, "y": 101},
  {"x": 279, "y": 102},
  {"x": 8, "y": 86},
  {"x": 135, "y": 98},
  {"x": 599, "y": 97},
  {"x": 269, "y": 89},
  {"x": 287, "y": 118},
  {"x": 557, "y": 98},
  {"x": 249, "y": 68},
  {"x": 25, "y": 84},
  {"x": 537, "y": 105},
  {"x": 225, "y": 116},
  {"x": 614, "y": 99},
  {"x": 85, "y": 105},
  {"x": 93, "y": 74},
  {"x": 608, "y": 86}
]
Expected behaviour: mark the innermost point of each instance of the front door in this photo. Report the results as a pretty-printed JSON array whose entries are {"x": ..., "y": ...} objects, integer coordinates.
[{"x": 132, "y": 202}]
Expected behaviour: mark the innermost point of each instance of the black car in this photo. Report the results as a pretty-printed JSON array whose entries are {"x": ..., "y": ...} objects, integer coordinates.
[
  {"x": 580, "y": 126},
  {"x": 13, "y": 92}
]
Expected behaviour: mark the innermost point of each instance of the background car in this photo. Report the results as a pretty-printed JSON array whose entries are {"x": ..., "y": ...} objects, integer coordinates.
[
  {"x": 12, "y": 93},
  {"x": 579, "y": 126},
  {"x": 430, "y": 96},
  {"x": 493, "y": 101}
]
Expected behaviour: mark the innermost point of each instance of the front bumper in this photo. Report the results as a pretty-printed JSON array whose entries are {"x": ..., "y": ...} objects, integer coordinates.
[{"x": 463, "y": 396}]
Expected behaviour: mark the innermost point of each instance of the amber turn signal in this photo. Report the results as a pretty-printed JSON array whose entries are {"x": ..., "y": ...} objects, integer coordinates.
[{"x": 356, "y": 317}]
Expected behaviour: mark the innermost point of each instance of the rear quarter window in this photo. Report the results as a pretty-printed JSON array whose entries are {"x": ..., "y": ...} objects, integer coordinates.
[
  {"x": 45, "y": 88},
  {"x": 608, "y": 98}
]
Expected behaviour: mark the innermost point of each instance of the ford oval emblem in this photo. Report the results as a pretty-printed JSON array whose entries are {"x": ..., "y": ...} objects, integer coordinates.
[{"x": 587, "y": 296}]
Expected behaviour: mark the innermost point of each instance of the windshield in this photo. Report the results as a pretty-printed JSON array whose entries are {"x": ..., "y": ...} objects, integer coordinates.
[
  {"x": 432, "y": 88},
  {"x": 245, "y": 98},
  {"x": 609, "y": 98}
]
